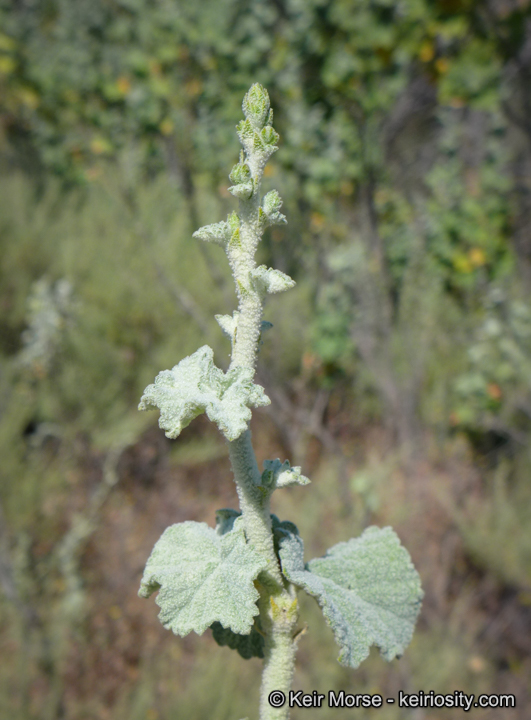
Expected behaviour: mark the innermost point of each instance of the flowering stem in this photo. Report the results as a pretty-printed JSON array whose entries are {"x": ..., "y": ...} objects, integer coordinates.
[{"x": 278, "y": 604}]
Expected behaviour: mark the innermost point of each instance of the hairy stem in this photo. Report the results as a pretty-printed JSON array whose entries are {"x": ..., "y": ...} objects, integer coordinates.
[
  {"x": 254, "y": 506},
  {"x": 278, "y": 603},
  {"x": 279, "y": 660}
]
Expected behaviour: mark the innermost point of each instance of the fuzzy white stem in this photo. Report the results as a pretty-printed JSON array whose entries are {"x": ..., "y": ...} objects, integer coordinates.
[{"x": 278, "y": 604}]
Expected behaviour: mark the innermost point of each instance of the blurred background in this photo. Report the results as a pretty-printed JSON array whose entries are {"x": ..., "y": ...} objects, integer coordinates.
[{"x": 399, "y": 368}]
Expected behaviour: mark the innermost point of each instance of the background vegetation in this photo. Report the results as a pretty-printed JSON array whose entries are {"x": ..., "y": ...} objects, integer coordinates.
[{"x": 399, "y": 368}]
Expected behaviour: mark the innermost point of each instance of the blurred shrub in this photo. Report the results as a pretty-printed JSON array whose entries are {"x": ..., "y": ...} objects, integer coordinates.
[
  {"x": 495, "y": 391},
  {"x": 495, "y": 526}
]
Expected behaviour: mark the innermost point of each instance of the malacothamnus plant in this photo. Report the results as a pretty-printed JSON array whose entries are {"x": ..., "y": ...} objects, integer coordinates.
[{"x": 241, "y": 578}]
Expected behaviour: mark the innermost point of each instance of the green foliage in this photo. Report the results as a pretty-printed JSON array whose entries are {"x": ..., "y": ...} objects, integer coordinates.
[
  {"x": 495, "y": 526},
  {"x": 494, "y": 391}
]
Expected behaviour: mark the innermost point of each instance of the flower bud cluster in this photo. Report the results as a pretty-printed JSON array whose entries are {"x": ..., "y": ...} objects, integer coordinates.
[
  {"x": 256, "y": 134},
  {"x": 240, "y": 234}
]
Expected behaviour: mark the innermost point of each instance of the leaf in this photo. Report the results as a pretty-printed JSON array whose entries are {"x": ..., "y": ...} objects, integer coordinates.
[
  {"x": 267, "y": 280},
  {"x": 248, "y": 646},
  {"x": 243, "y": 191},
  {"x": 225, "y": 519},
  {"x": 277, "y": 474},
  {"x": 195, "y": 386},
  {"x": 203, "y": 578},
  {"x": 368, "y": 590},
  {"x": 228, "y": 323},
  {"x": 219, "y": 233},
  {"x": 282, "y": 530}
]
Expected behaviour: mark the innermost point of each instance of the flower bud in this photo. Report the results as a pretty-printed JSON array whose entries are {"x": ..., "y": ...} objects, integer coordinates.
[
  {"x": 256, "y": 106},
  {"x": 269, "y": 136},
  {"x": 240, "y": 173}
]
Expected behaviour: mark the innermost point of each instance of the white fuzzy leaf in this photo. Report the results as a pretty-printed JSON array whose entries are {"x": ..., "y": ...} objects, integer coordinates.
[
  {"x": 267, "y": 280},
  {"x": 368, "y": 590},
  {"x": 203, "y": 578},
  {"x": 228, "y": 323},
  {"x": 219, "y": 233},
  {"x": 277, "y": 474},
  {"x": 242, "y": 191},
  {"x": 195, "y": 386}
]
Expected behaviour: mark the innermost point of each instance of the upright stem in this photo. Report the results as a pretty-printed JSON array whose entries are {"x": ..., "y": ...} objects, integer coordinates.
[
  {"x": 254, "y": 505},
  {"x": 278, "y": 602},
  {"x": 279, "y": 666}
]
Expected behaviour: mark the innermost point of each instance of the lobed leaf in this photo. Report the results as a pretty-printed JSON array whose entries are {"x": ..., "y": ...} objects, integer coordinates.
[
  {"x": 203, "y": 578},
  {"x": 368, "y": 590},
  {"x": 195, "y": 386}
]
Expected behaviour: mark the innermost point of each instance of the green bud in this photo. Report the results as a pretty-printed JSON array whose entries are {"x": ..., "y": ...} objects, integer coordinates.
[
  {"x": 271, "y": 205},
  {"x": 269, "y": 136},
  {"x": 272, "y": 202},
  {"x": 242, "y": 191},
  {"x": 256, "y": 106},
  {"x": 240, "y": 173}
]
